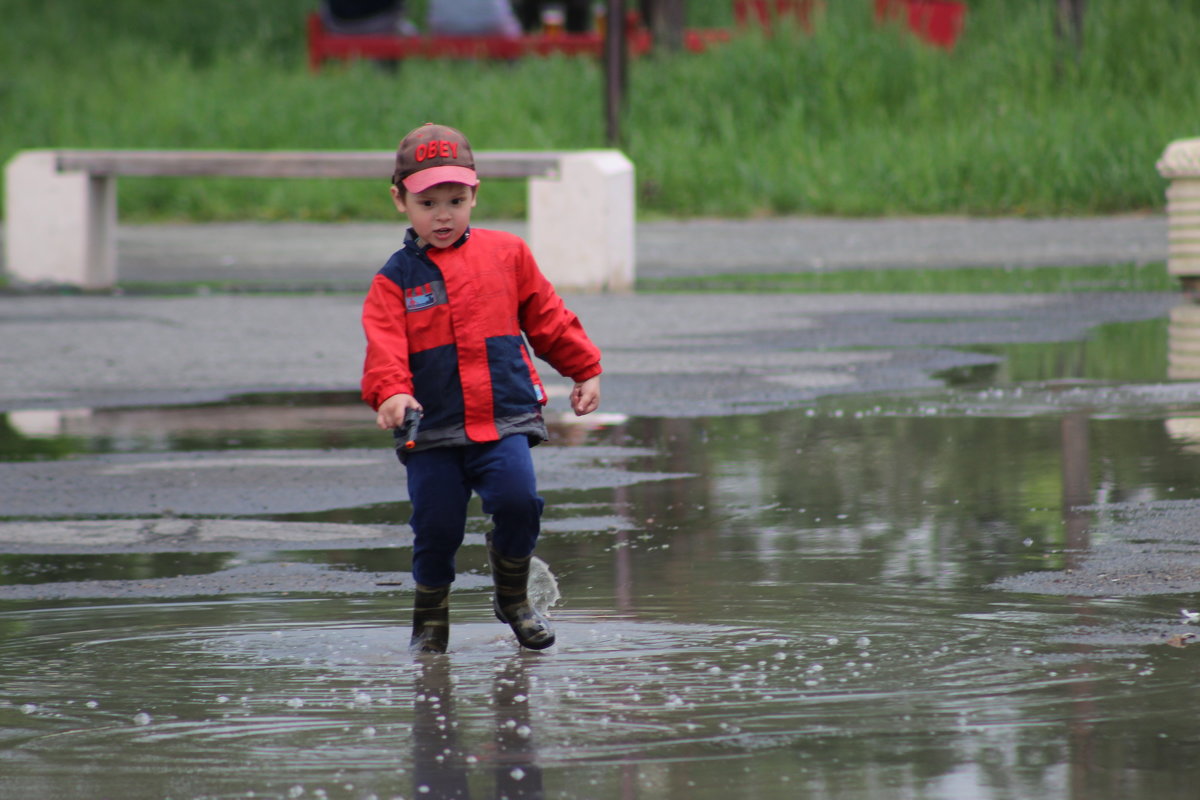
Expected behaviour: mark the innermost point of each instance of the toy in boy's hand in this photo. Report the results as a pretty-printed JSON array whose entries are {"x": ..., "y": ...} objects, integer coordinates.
[{"x": 408, "y": 428}]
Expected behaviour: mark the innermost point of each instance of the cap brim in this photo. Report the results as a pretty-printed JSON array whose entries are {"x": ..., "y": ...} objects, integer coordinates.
[{"x": 420, "y": 181}]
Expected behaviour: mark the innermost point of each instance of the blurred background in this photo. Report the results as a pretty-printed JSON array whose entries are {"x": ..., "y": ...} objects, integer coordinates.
[{"x": 846, "y": 115}]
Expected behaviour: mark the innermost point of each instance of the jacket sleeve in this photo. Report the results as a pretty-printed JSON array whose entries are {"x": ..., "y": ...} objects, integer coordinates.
[
  {"x": 385, "y": 369},
  {"x": 553, "y": 330}
]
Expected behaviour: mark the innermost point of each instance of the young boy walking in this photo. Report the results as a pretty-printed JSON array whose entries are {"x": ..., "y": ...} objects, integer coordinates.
[{"x": 445, "y": 319}]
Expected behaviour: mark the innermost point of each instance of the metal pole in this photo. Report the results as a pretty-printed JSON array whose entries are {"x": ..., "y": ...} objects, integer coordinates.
[{"x": 615, "y": 55}]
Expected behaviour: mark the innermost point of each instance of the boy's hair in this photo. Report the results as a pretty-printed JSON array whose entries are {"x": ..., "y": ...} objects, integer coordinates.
[{"x": 433, "y": 154}]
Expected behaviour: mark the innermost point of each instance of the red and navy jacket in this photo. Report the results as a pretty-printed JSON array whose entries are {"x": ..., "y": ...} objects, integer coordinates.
[{"x": 445, "y": 325}]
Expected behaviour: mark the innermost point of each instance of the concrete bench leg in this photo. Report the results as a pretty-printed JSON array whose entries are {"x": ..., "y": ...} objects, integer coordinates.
[
  {"x": 60, "y": 227},
  {"x": 581, "y": 223}
]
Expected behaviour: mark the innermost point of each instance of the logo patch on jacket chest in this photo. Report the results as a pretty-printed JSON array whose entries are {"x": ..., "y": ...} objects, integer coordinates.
[{"x": 419, "y": 298}]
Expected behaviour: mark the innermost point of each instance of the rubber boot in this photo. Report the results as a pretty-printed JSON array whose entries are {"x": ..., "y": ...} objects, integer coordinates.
[
  {"x": 511, "y": 602},
  {"x": 431, "y": 620}
]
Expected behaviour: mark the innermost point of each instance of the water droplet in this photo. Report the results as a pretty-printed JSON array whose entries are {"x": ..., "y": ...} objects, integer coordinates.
[
  {"x": 295, "y": 702},
  {"x": 863, "y": 641},
  {"x": 142, "y": 718},
  {"x": 29, "y": 708},
  {"x": 517, "y": 773}
]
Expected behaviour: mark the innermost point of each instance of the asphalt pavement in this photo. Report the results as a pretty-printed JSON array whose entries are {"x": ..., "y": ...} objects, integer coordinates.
[
  {"x": 665, "y": 354},
  {"x": 342, "y": 256}
]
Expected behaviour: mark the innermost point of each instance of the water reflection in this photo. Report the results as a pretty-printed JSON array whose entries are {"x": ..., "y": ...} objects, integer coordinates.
[
  {"x": 811, "y": 612},
  {"x": 1076, "y": 485},
  {"x": 441, "y": 765},
  {"x": 1183, "y": 364},
  {"x": 931, "y": 701},
  {"x": 1183, "y": 352}
]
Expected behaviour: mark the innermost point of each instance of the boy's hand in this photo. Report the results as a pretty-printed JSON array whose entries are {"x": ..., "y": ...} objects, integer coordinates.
[
  {"x": 585, "y": 397},
  {"x": 391, "y": 411}
]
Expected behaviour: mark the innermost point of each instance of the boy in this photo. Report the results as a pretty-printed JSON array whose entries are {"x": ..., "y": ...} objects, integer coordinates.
[{"x": 444, "y": 320}]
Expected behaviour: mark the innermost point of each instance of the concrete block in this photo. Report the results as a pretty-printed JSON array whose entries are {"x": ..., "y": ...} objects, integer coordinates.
[
  {"x": 581, "y": 222},
  {"x": 1180, "y": 164},
  {"x": 1183, "y": 343},
  {"x": 62, "y": 207},
  {"x": 59, "y": 227}
]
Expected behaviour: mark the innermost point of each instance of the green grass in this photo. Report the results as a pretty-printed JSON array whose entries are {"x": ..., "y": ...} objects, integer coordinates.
[
  {"x": 966, "y": 280},
  {"x": 855, "y": 119}
]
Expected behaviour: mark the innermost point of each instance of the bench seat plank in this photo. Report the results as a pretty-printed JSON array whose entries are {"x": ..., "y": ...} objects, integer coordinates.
[{"x": 286, "y": 164}]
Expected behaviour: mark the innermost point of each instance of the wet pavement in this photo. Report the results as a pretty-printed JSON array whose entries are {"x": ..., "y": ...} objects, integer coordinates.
[
  {"x": 333, "y": 256},
  {"x": 821, "y": 546},
  {"x": 664, "y": 355}
]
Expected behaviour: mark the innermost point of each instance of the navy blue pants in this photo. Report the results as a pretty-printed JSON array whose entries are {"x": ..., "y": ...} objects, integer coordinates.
[{"x": 440, "y": 482}]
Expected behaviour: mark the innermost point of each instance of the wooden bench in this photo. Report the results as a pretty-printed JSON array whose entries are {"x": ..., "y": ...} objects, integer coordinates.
[
  {"x": 324, "y": 45},
  {"x": 61, "y": 205}
]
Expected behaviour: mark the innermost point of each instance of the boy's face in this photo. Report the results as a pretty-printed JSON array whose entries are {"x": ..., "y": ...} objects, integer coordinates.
[{"x": 440, "y": 214}]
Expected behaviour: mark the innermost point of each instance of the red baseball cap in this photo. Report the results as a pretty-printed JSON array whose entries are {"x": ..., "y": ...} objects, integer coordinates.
[{"x": 433, "y": 154}]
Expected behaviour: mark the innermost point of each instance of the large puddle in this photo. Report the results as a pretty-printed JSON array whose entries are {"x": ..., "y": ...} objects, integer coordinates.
[{"x": 970, "y": 594}]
